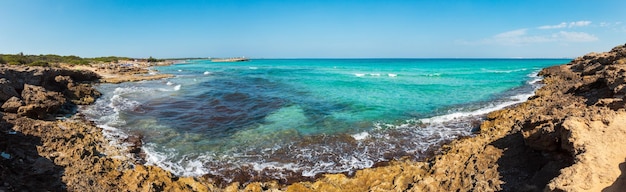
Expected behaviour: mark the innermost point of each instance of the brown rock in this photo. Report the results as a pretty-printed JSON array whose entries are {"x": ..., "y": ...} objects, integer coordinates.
[
  {"x": 12, "y": 105},
  {"x": 40, "y": 103},
  {"x": 7, "y": 90}
]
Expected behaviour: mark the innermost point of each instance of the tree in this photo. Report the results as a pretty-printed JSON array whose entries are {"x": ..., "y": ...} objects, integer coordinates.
[{"x": 151, "y": 59}]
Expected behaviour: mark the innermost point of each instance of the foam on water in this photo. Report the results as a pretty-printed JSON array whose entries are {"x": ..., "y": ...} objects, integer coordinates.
[
  {"x": 301, "y": 120},
  {"x": 360, "y": 136}
]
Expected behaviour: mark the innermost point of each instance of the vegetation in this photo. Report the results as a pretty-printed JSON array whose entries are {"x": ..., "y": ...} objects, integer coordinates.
[
  {"x": 109, "y": 59},
  {"x": 151, "y": 59},
  {"x": 53, "y": 60}
]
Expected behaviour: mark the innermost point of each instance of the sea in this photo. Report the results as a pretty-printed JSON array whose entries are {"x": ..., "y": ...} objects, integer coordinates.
[{"x": 290, "y": 119}]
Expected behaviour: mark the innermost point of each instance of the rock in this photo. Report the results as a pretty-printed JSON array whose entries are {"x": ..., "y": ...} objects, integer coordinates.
[
  {"x": 42, "y": 165},
  {"x": 73, "y": 84},
  {"x": 7, "y": 90},
  {"x": 81, "y": 94},
  {"x": 568, "y": 137},
  {"x": 40, "y": 103},
  {"x": 12, "y": 105}
]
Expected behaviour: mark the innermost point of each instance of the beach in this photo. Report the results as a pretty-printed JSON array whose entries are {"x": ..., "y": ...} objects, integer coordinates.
[{"x": 565, "y": 137}]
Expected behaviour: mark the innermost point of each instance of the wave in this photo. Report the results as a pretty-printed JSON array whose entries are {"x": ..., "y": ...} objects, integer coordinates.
[
  {"x": 309, "y": 155},
  {"x": 504, "y": 71},
  {"x": 494, "y": 106}
]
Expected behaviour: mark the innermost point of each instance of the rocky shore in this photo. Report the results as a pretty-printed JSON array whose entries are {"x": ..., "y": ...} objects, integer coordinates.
[
  {"x": 123, "y": 71},
  {"x": 568, "y": 137}
]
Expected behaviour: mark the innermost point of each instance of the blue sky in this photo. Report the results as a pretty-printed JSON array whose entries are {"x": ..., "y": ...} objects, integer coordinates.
[{"x": 312, "y": 29}]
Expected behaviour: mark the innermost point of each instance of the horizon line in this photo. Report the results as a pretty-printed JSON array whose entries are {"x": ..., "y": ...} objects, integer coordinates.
[{"x": 208, "y": 58}]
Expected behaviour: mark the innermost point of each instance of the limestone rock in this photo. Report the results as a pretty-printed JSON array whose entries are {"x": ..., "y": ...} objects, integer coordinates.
[
  {"x": 6, "y": 90},
  {"x": 12, "y": 105},
  {"x": 40, "y": 103}
]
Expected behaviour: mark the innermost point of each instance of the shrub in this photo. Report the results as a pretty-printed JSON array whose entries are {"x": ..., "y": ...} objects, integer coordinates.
[
  {"x": 151, "y": 59},
  {"x": 39, "y": 63}
]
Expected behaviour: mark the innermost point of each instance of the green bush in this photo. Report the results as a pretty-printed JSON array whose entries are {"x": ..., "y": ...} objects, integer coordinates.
[
  {"x": 39, "y": 63},
  {"x": 151, "y": 59},
  {"x": 50, "y": 59}
]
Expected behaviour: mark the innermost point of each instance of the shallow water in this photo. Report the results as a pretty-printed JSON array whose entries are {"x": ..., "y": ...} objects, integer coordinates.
[{"x": 302, "y": 117}]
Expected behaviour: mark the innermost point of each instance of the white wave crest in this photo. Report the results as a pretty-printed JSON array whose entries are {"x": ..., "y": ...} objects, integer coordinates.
[{"x": 360, "y": 136}]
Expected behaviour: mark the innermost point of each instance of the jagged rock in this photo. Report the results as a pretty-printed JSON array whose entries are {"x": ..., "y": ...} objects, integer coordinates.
[
  {"x": 81, "y": 94},
  {"x": 12, "y": 105},
  {"x": 39, "y": 103},
  {"x": 72, "y": 84},
  {"x": 568, "y": 137},
  {"x": 6, "y": 90}
]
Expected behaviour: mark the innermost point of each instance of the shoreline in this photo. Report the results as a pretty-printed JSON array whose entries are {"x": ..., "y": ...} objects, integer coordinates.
[
  {"x": 294, "y": 176},
  {"x": 124, "y": 71},
  {"x": 565, "y": 137}
]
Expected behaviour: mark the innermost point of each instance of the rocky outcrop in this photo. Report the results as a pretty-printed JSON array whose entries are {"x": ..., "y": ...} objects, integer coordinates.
[
  {"x": 41, "y": 92},
  {"x": 568, "y": 137},
  {"x": 7, "y": 90},
  {"x": 12, "y": 105},
  {"x": 68, "y": 155},
  {"x": 39, "y": 102}
]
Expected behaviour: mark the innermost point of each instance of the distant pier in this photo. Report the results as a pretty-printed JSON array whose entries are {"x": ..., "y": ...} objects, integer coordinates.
[{"x": 236, "y": 59}]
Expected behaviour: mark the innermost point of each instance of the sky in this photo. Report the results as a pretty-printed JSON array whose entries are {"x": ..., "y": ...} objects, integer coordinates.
[{"x": 312, "y": 29}]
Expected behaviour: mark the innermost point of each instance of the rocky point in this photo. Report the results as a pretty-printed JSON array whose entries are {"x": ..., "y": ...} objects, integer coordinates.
[{"x": 567, "y": 137}]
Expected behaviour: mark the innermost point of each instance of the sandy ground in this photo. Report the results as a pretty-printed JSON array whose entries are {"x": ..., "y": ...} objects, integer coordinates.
[{"x": 115, "y": 73}]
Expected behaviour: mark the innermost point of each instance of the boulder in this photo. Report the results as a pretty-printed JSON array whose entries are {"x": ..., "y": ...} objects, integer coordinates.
[
  {"x": 12, "y": 105},
  {"x": 7, "y": 90},
  {"x": 39, "y": 102},
  {"x": 81, "y": 94}
]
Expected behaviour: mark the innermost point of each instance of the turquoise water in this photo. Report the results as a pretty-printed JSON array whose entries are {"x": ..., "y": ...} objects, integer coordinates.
[{"x": 302, "y": 117}]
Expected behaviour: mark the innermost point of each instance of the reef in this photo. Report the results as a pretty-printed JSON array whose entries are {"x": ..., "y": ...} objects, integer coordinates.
[{"x": 567, "y": 137}]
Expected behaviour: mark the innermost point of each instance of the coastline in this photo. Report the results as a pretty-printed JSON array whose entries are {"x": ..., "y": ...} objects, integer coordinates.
[
  {"x": 563, "y": 136},
  {"x": 129, "y": 71}
]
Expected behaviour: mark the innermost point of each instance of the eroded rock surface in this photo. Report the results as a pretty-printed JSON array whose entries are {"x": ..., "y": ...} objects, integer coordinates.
[
  {"x": 568, "y": 137},
  {"x": 44, "y": 92}
]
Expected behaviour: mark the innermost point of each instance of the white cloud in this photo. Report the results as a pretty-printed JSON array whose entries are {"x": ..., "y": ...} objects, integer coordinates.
[
  {"x": 605, "y": 24},
  {"x": 561, "y": 25},
  {"x": 514, "y": 33},
  {"x": 574, "y": 36},
  {"x": 579, "y": 24},
  {"x": 515, "y": 37},
  {"x": 522, "y": 37},
  {"x": 565, "y": 24},
  {"x": 610, "y": 24}
]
